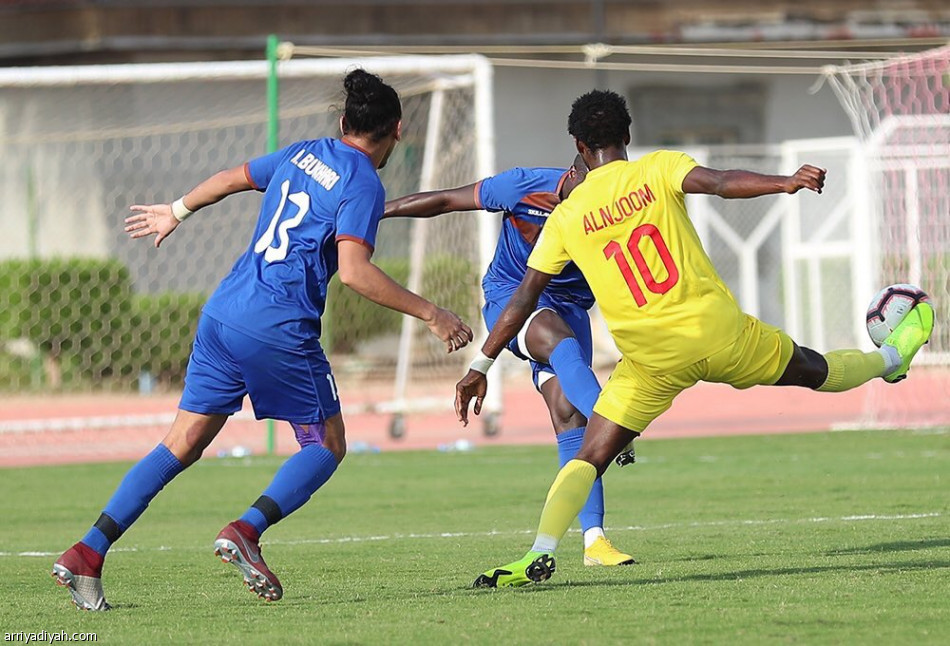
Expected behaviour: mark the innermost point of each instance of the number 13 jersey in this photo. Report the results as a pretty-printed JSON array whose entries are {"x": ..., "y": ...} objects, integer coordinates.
[
  {"x": 315, "y": 193},
  {"x": 627, "y": 229}
]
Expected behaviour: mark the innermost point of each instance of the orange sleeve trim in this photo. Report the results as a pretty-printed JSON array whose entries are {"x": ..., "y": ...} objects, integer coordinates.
[
  {"x": 356, "y": 240},
  {"x": 250, "y": 180},
  {"x": 478, "y": 202},
  {"x": 542, "y": 200}
]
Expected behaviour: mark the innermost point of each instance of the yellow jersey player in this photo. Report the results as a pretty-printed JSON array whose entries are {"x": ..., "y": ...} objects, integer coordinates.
[{"x": 673, "y": 319}]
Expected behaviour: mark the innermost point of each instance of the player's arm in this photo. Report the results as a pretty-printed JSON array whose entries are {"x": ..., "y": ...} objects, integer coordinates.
[
  {"x": 744, "y": 183},
  {"x": 161, "y": 219},
  {"x": 431, "y": 203},
  {"x": 522, "y": 303},
  {"x": 366, "y": 279}
]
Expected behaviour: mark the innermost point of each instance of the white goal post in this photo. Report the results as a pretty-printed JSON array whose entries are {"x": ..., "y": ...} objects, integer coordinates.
[
  {"x": 900, "y": 109},
  {"x": 82, "y": 143}
]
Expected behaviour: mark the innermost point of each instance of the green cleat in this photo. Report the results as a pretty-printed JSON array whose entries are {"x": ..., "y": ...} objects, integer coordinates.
[
  {"x": 534, "y": 567},
  {"x": 908, "y": 337}
]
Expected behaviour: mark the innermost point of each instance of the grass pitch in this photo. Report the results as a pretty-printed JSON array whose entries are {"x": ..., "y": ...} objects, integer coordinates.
[{"x": 827, "y": 538}]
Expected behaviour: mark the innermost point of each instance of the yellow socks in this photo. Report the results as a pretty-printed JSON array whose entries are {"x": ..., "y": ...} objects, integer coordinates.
[
  {"x": 566, "y": 498},
  {"x": 849, "y": 369}
]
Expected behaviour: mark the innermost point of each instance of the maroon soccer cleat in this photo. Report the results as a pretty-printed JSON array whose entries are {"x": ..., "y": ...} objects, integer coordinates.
[
  {"x": 237, "y": 544},
  {"x": 80, "y": 570}
]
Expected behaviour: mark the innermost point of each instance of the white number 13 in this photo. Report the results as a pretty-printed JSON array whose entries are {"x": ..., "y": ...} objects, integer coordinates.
[{"x": 302, "y": 202}]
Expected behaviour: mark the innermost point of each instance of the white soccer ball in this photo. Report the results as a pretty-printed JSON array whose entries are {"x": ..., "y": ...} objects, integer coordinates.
[{"x": 889, "y": 307}]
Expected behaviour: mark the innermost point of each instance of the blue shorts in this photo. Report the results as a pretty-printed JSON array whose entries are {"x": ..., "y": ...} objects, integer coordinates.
[
  {"x": 283, "y": 384},
  {"x": 573, "y": 314}
]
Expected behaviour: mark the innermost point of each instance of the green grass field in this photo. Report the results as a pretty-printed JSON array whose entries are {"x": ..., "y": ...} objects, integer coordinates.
[{"x": 811, "y": 539}]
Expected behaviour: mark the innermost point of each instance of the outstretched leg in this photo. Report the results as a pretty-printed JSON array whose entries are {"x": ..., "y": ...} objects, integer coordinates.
[
  {"x": 841, "y": 370},
  {"x": 80, "y": 567}
]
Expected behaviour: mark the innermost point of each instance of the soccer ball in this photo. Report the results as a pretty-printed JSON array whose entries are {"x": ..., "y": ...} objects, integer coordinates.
[{"x": 889, "y": 307}]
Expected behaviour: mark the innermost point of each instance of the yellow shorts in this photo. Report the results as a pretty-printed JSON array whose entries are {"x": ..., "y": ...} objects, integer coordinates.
[{"x": 634, "y": 397}]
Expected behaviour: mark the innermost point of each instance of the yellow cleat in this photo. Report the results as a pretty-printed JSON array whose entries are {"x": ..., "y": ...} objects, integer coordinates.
[
  {"x": 602, "y": 552},
  {"x": 909, "y": 336}
]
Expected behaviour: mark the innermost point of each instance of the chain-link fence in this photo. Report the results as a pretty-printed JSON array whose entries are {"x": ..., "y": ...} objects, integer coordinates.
[{"x": 85, "y": 308}]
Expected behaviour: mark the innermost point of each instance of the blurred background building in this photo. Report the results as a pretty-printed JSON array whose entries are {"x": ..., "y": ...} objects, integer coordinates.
[
  {"x": 107, "y": 103},
  {"x": 694, "y": 95}
]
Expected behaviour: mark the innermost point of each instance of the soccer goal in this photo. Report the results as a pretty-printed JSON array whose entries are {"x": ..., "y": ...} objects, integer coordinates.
[
  {"x": 900, "y": 109},
  {"x": 81, "y": 144}
]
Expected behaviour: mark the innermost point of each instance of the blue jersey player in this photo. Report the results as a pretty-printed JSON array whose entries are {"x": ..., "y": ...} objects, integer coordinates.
[
  {"x": 556, "y": 339},
  {"x": 259, "y": 334}
]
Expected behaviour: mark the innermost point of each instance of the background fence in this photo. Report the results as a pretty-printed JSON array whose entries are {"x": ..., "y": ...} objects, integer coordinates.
[{"x": 84, "y": 309}]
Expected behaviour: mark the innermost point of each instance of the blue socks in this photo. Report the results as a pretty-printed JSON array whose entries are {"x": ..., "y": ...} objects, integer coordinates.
[
  {"x": 299, "y": 477},
  {"x": 140, "y": 485},
  {"x": 581, "y": 389},
  {"x": 568, "y": 444},
  {"x": 577, "y": 379}
]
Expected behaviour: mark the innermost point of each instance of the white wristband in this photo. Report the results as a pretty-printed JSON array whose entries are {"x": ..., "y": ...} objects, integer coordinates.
[
  {"x": 180, "y": 211},
  {"x": 481, "y": 363}
]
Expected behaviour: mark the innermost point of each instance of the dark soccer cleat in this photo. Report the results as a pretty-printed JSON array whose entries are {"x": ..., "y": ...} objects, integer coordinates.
[
  {"x": 534, "y": 567},
  {"x": 238, "y": 544},
  {"x": 627, "y": 456},
  {"x": 80, "y": 570}
]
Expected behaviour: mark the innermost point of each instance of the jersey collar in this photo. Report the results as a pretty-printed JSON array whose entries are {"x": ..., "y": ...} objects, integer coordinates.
[{"x": 359, "y": 148}]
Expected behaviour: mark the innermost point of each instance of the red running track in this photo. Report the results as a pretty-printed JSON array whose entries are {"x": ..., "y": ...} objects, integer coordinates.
[{"x": 91, "y": 428}]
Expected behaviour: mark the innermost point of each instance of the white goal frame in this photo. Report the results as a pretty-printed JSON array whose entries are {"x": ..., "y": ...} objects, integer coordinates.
[{"x": 472, "y": 71}]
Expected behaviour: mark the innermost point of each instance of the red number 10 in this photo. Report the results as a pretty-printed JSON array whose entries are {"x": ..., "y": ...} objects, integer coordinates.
[{"x": 614, "y": 250}]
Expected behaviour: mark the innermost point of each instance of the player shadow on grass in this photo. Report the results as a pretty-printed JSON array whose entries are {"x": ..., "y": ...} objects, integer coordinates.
[
  {"x": 896, "y": 546},
  {"x": 749, "y": 574}
]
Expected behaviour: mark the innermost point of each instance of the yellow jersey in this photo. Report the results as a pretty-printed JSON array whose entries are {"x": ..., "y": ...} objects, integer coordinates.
[{"x": 627, "y": 229}]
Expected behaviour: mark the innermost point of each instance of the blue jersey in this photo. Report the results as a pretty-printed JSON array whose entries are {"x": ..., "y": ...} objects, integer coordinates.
[
  {"x": 526, "y": 196},
  {"x": 315, "y": 193}
]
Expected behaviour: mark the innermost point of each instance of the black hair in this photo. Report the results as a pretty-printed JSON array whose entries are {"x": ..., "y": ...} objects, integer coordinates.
[
  {"x": 599, "y": 119},
  {"x": 372, "y": 108}
]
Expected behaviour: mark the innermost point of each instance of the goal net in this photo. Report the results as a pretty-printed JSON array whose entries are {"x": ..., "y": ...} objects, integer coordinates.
[
  {"x": 84, "y": 309},
  {"x": 900, "y": 108}
]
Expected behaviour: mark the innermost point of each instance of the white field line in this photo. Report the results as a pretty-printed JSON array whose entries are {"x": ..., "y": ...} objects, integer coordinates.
[{"x": 526, "y": 532}]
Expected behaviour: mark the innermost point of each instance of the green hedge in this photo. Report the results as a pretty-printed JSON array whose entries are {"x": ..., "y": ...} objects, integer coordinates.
[
  {"x": 73, "y": 311},
  {"x": 81, "y": 315},
  {"x": 351, "y": 320},
  {"x": 159, "y": 336}
]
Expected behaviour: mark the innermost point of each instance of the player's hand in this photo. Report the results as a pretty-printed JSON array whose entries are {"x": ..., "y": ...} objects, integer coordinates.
[
  {"x": 152, "y": 219},
  {"x": 808, "y": 176},
  {"x": 474, "y": 384},
  {"x": 450, "y": 328}
]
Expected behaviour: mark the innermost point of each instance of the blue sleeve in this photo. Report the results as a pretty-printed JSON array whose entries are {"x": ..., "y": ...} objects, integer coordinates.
[
  {"x": 259, "y": 171},
  {"x": 360, "y": 211},
  {"x": 503, "y": 191}
]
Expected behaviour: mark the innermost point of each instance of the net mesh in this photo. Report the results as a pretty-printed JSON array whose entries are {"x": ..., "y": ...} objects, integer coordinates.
[
  {"x": 83, "y": 308},
  {"x": 901, "y": 110}
]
